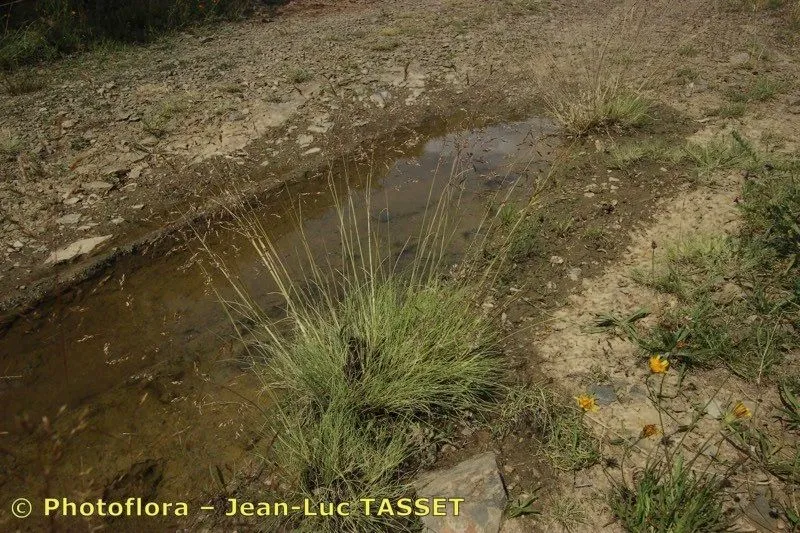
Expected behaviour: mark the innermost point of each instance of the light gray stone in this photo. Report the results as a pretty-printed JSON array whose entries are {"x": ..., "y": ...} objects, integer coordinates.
[
  {"x": 72, "y": 218},
  {"x": 83, "y": 246},
  {"x": 479, "y": 483},
  {"x": 605, "y": 394}
]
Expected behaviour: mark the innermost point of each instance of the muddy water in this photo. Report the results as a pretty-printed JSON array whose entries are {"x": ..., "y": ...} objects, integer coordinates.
[{"x": 145, "y": 390}]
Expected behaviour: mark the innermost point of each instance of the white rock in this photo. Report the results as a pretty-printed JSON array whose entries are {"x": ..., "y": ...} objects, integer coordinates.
[
  {"x": 72, "y": 218},
  {"x": 96, "y": 186},
  {"x": 83, "y": 246}
]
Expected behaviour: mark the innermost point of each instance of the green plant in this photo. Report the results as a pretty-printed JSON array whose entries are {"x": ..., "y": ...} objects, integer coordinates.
[
  {"x": 581, "y": 110},
  {"x": 300, "y": 75},
  {"x": 731, "y": 110},
  {"x": 22, "y": 82},
  {"x": 522, "y": 506},
  {"x": 625, "y": 155},
  {"x": 39, "y": 31},
  {"x": 553, "y": 420},
  {"x": 670, "y": 497},
  {"x": 763, "y": 89},
  {"x": 10, "y": 146},
  {"x": 720, "y": 154},
  {"x": 568, "y": 513},
  {"x": 372, "y": 366}
]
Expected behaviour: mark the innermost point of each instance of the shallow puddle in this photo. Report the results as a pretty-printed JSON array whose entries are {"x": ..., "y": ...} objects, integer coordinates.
[{"x": 146, "y": 391}]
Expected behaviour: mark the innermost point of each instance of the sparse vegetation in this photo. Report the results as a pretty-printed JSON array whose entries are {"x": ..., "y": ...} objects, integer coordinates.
[
  {"x": 581, "y": 109},
  {"x": 39, "y": 31},
  {"x": 669, "y": 496},
  {"x": 22, "y": 82},
  {"x": 554, "y": 420},
  {"x": 300, "y": 75}
]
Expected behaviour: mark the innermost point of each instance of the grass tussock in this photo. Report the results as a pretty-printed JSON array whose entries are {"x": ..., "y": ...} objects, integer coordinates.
[
  {"x": 372, "y": 367},
  {"x": 603, "y": 105},
  {"x": 670, "y": 497},
  {"x": 609, "y": 86}
]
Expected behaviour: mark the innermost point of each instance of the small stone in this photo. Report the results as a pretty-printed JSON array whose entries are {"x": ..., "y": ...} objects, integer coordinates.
[
  {"x": 137, "y": 206},
  {"x": 97, "y": 185},
  {"x": 72, "y": 218},
  {"x": 305, "y": 140},
  {"x": 713, "y": 409},
  {"x": 117, "y": 221},
  {"x": 604, "y": 394},
  {"x": 312, "y": 151},
  {"x": 72, "y": 200},
  {"x": 81, "y": 247},
  {"x": 556, "y": 260},
  {"x": 67, "y": 124}
]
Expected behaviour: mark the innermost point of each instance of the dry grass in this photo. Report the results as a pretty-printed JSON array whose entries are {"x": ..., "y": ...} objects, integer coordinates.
[{"x": 610, "y": 82}]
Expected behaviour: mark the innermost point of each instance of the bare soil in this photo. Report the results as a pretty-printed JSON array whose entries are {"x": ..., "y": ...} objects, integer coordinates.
[{"x": 139, "y": 141}]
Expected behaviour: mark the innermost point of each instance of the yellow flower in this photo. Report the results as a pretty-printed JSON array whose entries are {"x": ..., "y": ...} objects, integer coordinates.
[
  {"x": 658, "y": 365},
  {"x": 648, "y": 431},
  {"x": 587, "y": 402},
  {"x": 740, "y": 411}
]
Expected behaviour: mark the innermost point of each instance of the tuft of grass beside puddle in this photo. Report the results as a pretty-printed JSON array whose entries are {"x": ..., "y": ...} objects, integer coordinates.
[{"x": 373, "y": 367}]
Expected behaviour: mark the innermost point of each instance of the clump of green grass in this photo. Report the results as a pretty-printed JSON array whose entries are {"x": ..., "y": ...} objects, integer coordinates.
[
  {"x": 385, "y": 44},
  {"x": 720, "y": 154},
  {"x": 688, "y": 50},
  {"x": 625, "y": 155},
  {"x": 371, "y": 366},
  {"x": 22, "y": 82},
  {"x": 517, "y": 232},
  {"x": 10, "y": 145},
  {"x": 738, "y": 298},
  {"x": 731, "y": 110},
  {"x": 300, "y": 75},
  {"x": 158, "y": 119},
  {"x": 764, "y": 88},
  {"x": 668, "y": 496},
  {"x": 581, "y": 109},
  {"x": 772, "y": 212},
  {"x": 552, "y": 419}
]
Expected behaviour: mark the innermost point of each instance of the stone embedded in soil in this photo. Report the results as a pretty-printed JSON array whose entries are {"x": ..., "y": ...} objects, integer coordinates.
[
  {"x": 479, "y": 483},
  {"x": 713, "y": 409},
  {"x": 72, "y": 218},
  {"x": 97, "y": 186},
  {"x": 762, "y": 514},
  {"x": 604, "y": 394},
  {"x": 81, "y": 247}
]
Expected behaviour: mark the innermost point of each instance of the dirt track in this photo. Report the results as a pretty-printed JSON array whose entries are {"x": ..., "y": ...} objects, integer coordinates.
[{"x": 128, "y": 142}]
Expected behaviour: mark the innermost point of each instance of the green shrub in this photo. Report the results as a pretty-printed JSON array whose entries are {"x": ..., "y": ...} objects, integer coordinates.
[{"x": 40, "y": 30}]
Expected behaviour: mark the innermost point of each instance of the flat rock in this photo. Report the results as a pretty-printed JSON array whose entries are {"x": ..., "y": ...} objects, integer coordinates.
[
  {"x": 83, "y": 246},
  {"x": 72, "y": 218},
  {"x": 605, "y": 394},
  {"x": 479, "y": 483},
  {"x": 96, "y": 186}
]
